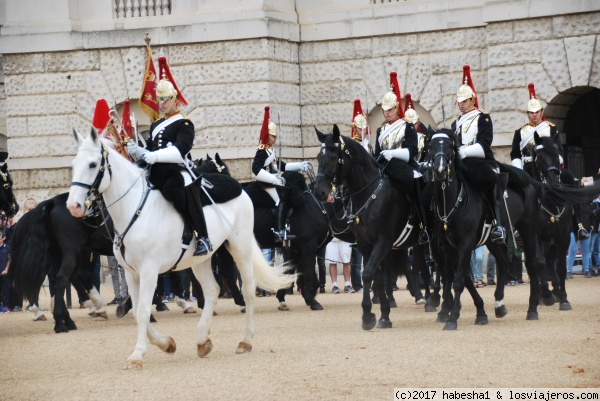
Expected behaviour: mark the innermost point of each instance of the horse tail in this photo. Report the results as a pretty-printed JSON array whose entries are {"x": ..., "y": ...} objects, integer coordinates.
[
  {"x": 270, "y": 277},
  {"x": 571, "y": 194},
  {"x": 30, "y": 251}
]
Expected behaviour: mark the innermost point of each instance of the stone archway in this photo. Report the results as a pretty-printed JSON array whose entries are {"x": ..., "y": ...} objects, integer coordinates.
[{"x": 576, "y": 114}]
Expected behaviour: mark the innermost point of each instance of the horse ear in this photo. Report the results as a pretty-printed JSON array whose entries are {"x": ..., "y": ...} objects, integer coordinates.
[
  {"x": 320, "y": 135},
  {"x": 218, "y": 158},
  {"x": 208, "y": 158},
  {"x": 336, "y": 133},
  {"x": 536, "y": 137},
  {"x": 430, "y": 131},
  {"x": 94, "y": 134},
  {"x": 78, "y": 138}
]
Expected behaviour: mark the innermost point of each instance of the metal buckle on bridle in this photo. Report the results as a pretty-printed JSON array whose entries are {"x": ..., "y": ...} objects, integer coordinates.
[{"x": 92, "y": 192}]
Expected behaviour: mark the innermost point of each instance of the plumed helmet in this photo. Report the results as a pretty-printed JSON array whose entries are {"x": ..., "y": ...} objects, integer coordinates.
[
  {"x": 410, "y": 114},
  {"x": 360, "y": 122},
  {"x": 533, "y": 104},
  {"x": 392, "y": 98},
  {"x": 466, "y": 89},
  {"x": 167, "y": 87},
  {"x": 268, "y": 127}
]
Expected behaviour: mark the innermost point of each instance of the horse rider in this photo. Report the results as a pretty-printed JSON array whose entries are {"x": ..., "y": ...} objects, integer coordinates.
[
  {"x": 474, "y": 132},
  {"x": 397, "y": 138},
  {"x": 523, "y": 146},
  {"x": 171, "y": 139},
  {"x": 410, "y": 115},
  {"x": 360, "y": 132},
  {"x": 264, "y": 167}
]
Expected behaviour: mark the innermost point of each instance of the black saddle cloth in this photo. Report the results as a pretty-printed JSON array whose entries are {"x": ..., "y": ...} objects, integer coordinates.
[
  {"x": 399, "y": 172},
  {"x": 478, "y": 172},
  {"x": 516, "y": 177},
  {"x": 225, "y": 188},
  {"x": 292, "y": 193}
]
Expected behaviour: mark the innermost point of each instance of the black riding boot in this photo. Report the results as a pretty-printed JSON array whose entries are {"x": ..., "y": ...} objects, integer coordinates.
[
  {"x": 424, "y": 236},
  {"x": 282, "y": 232},
  {"x": 196, "y": 217},
  {"x": 580, "y": 232},
  {"x": 498, "y": 233}
]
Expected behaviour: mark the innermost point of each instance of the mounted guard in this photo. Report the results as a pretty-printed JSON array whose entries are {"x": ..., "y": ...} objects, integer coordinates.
[
  {"x": 268, "y": 169},
  {"x": 171, "y": 139},
  {"x": 397, "y": 139},
  {"x": 523, "y": 150},
  {"x": 360, "y": 132},
  {"x": 474, "y": 131},
  {"x": 410, "y": 115}
]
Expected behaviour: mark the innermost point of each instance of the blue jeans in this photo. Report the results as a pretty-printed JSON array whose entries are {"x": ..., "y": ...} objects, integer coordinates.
[
  {"x": 595, "y": 248},
  {"x": 477, "y": 264},
  {"x": 355, "y": 267},
  {"x": 585, "y": 254}
]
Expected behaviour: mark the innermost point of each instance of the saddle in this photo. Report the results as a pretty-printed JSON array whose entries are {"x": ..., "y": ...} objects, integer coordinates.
[
  {"x": 401, "y": 173},
  {"x": 224, "y": 188}
]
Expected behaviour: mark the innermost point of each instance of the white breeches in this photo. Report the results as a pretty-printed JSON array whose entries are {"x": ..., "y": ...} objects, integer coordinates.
[{"x": 273, "y": 193}]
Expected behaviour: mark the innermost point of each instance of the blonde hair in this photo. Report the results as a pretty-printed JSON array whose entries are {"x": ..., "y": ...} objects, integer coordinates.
[{"x": 29, "y": 202}]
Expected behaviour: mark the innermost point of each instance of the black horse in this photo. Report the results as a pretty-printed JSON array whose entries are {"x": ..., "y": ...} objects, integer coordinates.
[
  {"x": 308, "y": 223},
  {"x": 464, "y": 222},
  {"x": 8, "y": 203},
  {"x": 381, "y": 214},
  {"x": 554, "y": 222},
  {"x": 48, "y": 240}
]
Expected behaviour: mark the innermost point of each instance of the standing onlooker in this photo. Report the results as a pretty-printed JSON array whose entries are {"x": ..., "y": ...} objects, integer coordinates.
[
  {"x": 117, "y": 274},
  {"x": 339, "y": 251},
  {"x": 491, "y": 269},
  {"x": 595, "y": 238},
  {"x": 585, "y": 255},
  {"x": 477, "y": 266},
  {"x": 4, "y": 282}
]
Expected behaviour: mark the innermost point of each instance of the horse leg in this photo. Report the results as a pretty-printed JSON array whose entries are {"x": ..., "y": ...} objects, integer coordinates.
[
  {"x": 437, "y": 265},
  {"x": 417, "y": 271},
  {"x": 60, "y": 312},
  {"x": 542, "y": 267},
  {"x": 481, "y": 317},
  {"x": 561, "y": 273},
  {"x": 311, "y": 282},
  {"x": 389, "y": 278},
  {"x": 463, "y": 264},
  {"x": 376, "y": 257},
  {"x": 447, "y": 296},
  {"x": 229, "y": 273},
  {"x": 382, "y": 281},
  {"x": 529, "y": 249},
  {"x": 177, "y": 290},
  {"x": 502, "y": 263},
  {"x": 247, "y": 273},
  {"x": 210, "y": 288}
]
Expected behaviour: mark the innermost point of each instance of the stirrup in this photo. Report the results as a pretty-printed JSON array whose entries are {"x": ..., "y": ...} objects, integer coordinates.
[
  {"x": 283, "y": 235},
  {"x": 203, "y": 246},
  {"x": 498, "y": 235},
  {"x": 424, "y": 237},
  {"x": 582, "y": 233}
]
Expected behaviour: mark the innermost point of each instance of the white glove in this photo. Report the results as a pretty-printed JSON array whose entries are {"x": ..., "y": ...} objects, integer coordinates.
[
  {"x": 266, "y": 177},
  {"x": 150, "y": 157},
  {"x": 402, "y": 154},
  {"x": 134, "y": 150},
  {"x": 560, "y": 159},
  {"x": 474, "y": 150},
  {"x": 517, "y": 163},
  {"x": 299, "y": 166}
]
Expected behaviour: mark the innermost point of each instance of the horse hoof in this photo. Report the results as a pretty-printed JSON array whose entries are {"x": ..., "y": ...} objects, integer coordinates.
[
  {"x": 393, "y": 304},
  {"x": 316, "y": 306},
  {"x": 243, "y": 309},
  {"x": 369, "y": 321},
  {"x": 565, "y": 306},
  {"x": 421, "y": 301},
  {"x": 283, "y": 306},
  {"x": 549, "y": 301},
  {"x": 532, "y": 316},
  {"x": 204, "y": 349},
  {"x": 103, "y": 315},
  {"x": 429, "y": 308},
  {"x": 152, "y": 319},
  {"x": 481, "y": 320},
  {"x": 501, "y": 311},
  {"x": 134, "y": 365},
  {"x": 434, "y": 300},
  {"x": 450, "y": 326},
  {"x": 243, "y": 347},
  {"x": 71, "y": 326},
  {"x": 375, "y": 300},
  {"x": 384, "y": 324},
  {"x": 60, "y": 328},
  {"x": 170, "y": 347},
  {"x": 189, "y": 310},
  {"x": 442, "y": 318},
  {"x": 40, "y": 318}
]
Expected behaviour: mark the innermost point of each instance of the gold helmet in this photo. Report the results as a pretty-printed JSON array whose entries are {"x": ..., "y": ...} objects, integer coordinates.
[
  {"x": 272, "y": 128},
  {"x": 392, "y": 98},
  {"x": 533, "y": 104},
  {"x": 410, "y": 114},
  {"x": 166, "y": 87},
  {"x": 268, "y": 127},
  {"x": 466, "y": 89},
  {"x": 360, "y": 122}
]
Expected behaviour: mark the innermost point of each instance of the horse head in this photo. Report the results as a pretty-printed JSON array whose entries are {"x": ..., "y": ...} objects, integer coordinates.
[
  {"x": 331, "y": 161},
  {"x": 546, "y": 157},
  {"x": 211, "y": 165},
  {"x": 8, "y": 203},
  {"x": 88, "y": 172},
  {"x": 442, "y": 153}
]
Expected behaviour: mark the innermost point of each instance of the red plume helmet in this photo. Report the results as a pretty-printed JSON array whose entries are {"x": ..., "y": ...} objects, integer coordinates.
[
  {"x": 396, "y": 88},
  {"x": 534, "y": 104},
  {"x": 264, "y": 131},
  {"x": 410, "y": 114},
  {"x": 408, "y": 103},
  {"x": 164, "y": 73},
  {"x": 467, "y": 89},
  {"x": 101, "y": 115}
]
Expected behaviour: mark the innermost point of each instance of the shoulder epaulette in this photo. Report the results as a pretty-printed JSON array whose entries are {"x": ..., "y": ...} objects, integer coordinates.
[
  {"x": 262, "y": 146},
  {"x": 483, "y": 111},
  {"x": 523, "y": 126},
  {"x": 551, "y": 123}
]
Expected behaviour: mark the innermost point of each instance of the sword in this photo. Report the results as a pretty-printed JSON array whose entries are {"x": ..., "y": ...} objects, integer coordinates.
[
  {"x": 135, "y": 130},
  {"x": 443, "y": 113},
  {"x": 279, "y": 159}
]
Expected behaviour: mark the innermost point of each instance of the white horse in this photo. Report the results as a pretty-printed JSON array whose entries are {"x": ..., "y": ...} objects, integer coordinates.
[{"x": 152, "y": 242}]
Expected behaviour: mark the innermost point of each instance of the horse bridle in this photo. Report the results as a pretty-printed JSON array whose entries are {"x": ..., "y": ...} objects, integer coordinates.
[
  {"x": 92, "y": 189},
  {"x": 554, "y": 169},
  {"x": 338, "y": 168}
]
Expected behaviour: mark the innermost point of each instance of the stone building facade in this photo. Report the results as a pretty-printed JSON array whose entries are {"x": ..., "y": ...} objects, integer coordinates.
[{"x": 308, "y": 59}]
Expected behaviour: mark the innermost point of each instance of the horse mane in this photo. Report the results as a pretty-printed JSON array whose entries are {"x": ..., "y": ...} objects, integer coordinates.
[
  {"x": 549, "y": 146},
  {"x": 356, "y": 147}
]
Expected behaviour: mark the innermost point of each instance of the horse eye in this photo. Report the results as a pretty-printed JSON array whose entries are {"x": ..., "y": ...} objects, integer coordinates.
[
  {"x": 6, "y": 186},
  {"x": 93, "y": 165}
]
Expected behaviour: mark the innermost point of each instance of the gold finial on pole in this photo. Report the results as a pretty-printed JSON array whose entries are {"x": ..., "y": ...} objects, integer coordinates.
[{"x": 147, "y": 39}]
